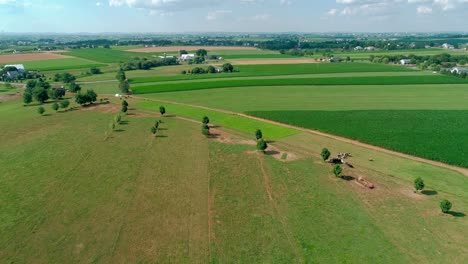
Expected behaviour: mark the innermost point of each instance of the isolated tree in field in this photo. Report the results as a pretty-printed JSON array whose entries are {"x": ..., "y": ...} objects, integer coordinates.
[
  {"x": 121, "y": 75},
  {"x": 445, "y": 206},
  {"x": 64, "y": 104},
  {"x": 74, "y": 88},
  {"x": 27, "y": 97},
  {"x": 41, "y": 110},
  {"x": 206, "y": 120},
  {"x": 162, "y": 110},
  {"x": 205, "y": 130},
  {"x": 262, "y": 145},
  {"x": 337, "y": 170},
  {"x": 92, "y": 96},
  {"x": 156, "y": 124},
  {"x": 154, "y": 130},
  {"x": 40, "y": 94},
  {"x": 211, "y": 69},
  {"x": 124, "y": 86},
  {"x": 55, "y": 107},
  {"x": 258, "y": 134},
  {"x": 202, "y": 52},
  {"x": 112, "y": 126},
  {"x": 124, "y": 102},
  {"x": 227, "y": 67},
  {"x": 418, "y": 184},
  {"x": 124, "y": 109},
  {"x": 95, "y": 70},
  {"x": 118, "y": 118},
  {"x": 56, "y": 93},
  {"x": 325, "y": 154}
]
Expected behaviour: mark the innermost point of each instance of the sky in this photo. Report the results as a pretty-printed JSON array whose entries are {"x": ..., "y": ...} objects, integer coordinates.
[{"x": 95, "y": 16}]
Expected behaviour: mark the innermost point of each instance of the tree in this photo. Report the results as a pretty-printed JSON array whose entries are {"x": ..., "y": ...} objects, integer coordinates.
[
  {"x": 124, "y": 109},
  {"x": 445, "y": 206},
  {"x": 64, "y": 104},
  {"x": 40, "y": 94},
  {"x": 56, "y": 93},
  {"x": 41, "y": 110},
  {"x": 124, "y": 86},
  {"x": 88, "y": 98},
  {"x": 199, "y": 60},
  {"x": 162, "y": 110},
  {"x": 118, "y": 118},
  {"x": 418, "y": 184},
  {"x": 65, "y": 77},
  {"x": 112, "y": 126},
  {"x": 211, "y": 69},
  {"x": 154, "y": 130},
  {"x": 206, "y": 130},
  {"x": 27, "y": 97},
  {"x": 258, "y": 134},
  {"x": 156, "y": 125},
  {"x": 227, "y": 67},
  {"x": 206, "y": 120},
  {"x": 325, "y": 154},
  {"x": 74, "y": 88},
  {"x": 182, "y": 52},
  {"x": 337, "y": 170},
  {"x": 121, "y": 75},
  {"x": 92, "y": 96},
  {"x": 202, "y": 52},
  {"x": 55, "y": 107},
  {"x": 95, "y": 70},
  {"x": 124, "y": 102},
  {"x": 262, "y": 145}
]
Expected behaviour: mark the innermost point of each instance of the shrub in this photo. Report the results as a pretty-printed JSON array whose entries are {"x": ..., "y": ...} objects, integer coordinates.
[
  {"x": 337, "y": 170},
  {"x": 41, "y": 110},
  {"x": 205, "y": 120},
  {"x": 64, "y": 104},
  {"x": 55, "y": 106},
  {"x": 418, "y": 184},
  {"x": 325, "y": 154},
  {"x": 262, "y": 145},
  {"x": 445, "y": 206},
  {"x": 27, "y": 97},
  {"x": 162, "y": 110},
  {"x": 258, "y": 134}
]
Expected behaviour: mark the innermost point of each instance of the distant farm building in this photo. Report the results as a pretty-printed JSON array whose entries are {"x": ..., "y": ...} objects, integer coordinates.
[
  {"x": 12, "y": 71},
  {"x": 370, "y": 48},
  {"x": 405, "y": 61},
  {"x": 459, "y": 70},
  {"x": 336, "y": 59},
  {"x": 358, "y": 48},
  {"x": 187, "y": 57},
  {"x": 447, "y": 46}
]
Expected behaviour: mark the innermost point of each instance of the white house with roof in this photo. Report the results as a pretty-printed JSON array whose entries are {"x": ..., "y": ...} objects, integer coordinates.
[
  {"x": 459, "y": 70},
  {"x": 358, "y": 48},
  {"x": 447, "y": 46},
  {"x": 405, "y": 61},
  {"x": 187, "y": 57},
  {"x": 19, "y": 67}
]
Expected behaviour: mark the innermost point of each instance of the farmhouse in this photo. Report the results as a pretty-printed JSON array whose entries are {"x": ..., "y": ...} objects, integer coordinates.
[
  {"x": 19, "y": 67},
  {"x": 13, "y": 70},
  {"x": 405, "y": 61},
  {"x": 459, "y": 70},
  {"x": 370, "y": 48},
  {"x": 336, "y": 59},
  {"x": 447, "y": 46},
  {"x": 187, "y": 57},
  {"x": 358, "y": 48}
]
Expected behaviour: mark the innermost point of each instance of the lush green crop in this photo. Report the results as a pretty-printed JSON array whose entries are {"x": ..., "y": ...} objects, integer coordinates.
[
  {"x": 371, "y": 80},
  {"x": 282, "y": 69},
  {"x": 59, "y": 64},
  {"x": 436, "y": 135}
]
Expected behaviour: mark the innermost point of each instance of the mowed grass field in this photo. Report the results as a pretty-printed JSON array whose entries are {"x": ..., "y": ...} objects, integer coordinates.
[
  {"x": 176, "y": 198},
  {"x": 105, "y": 55}
]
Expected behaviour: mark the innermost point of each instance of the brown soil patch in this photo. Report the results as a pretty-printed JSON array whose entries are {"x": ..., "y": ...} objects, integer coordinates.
[
  {"x": 177, "y": 48},
  {"x": 31, "y": 57},
  {"x": 9, "y": 97},
  {"x": 273, "y": 61},
  {"x": 104, "y": 108}
]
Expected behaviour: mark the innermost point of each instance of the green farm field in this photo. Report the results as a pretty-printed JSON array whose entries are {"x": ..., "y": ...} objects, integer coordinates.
[
  {"x": 60, "y": 64},
  {"x": 106, "y": 55},
  {"x": 368, "y": 80},
  {"x": 420, "y": 52},
  {"x": 279, "y": 69},
  {"x": 189, "y": 205}
]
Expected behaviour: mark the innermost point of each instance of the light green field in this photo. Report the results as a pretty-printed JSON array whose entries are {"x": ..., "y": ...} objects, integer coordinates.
[
  {"x": 420, "y": 52},
  {"x": 437, "y": 97},
  {"x": 60, "y": 64}
]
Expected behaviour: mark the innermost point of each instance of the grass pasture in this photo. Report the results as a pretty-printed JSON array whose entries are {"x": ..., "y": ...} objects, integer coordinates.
[
  {"x": 368, "y": 80},
  {"x": 104, "y": 55}
]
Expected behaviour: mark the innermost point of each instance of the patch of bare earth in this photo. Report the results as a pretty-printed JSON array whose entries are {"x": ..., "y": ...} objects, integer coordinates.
[
  {"x": 273, "y": 61},
  {"x": 31, "y": 57},
  {"x": 103, "y": 108},
  {"x": 177, "y": 48},
  {"x": 9, "y": 97}
]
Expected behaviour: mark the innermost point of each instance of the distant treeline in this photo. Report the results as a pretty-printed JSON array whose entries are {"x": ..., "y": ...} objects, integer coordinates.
[{"x": 145, "y": 64}]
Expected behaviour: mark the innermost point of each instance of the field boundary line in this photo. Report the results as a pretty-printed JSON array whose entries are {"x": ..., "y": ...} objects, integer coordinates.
[{"x": 461, "y": 170}]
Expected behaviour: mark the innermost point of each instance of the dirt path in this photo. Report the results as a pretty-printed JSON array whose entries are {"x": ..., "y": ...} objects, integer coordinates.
[{"x": 461, "y": 170}]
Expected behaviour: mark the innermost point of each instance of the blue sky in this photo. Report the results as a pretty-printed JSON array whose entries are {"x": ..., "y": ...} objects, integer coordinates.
[{"x": 233, "y": 15}]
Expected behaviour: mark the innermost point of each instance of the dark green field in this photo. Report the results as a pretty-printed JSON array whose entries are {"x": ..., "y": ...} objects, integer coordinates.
[
  {"x": 282, "y": 69},
  {"x": 105, "y": 55},
  {"x": 371, "y": 80},
  {"x": 436, "y": 135}
]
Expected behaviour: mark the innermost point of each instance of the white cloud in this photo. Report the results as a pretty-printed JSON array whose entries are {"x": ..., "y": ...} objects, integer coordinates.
[
  {"x": 218, "y": 14},
  {"x": 424, "y": 10},
  {"x": 98, "y": 4}
]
